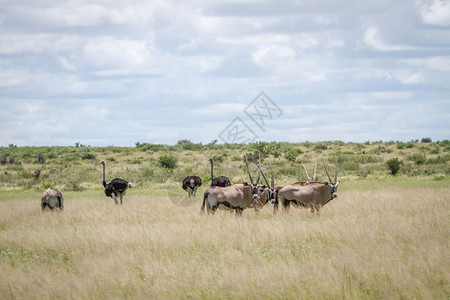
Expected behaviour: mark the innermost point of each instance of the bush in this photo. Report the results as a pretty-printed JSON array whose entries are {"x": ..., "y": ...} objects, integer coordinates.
[
  {"x": 88, "y": 156},
  {"x": 219, "y": 158},
  {"x": 135, "y": 161},
  {"x": 394, "y": 165},
  {"x": 320, "y": 147},
  {"x": 350, "y": 166},
  {"x": 419, "y": 159},
  {"x": 426, "y": 140},
  {"x": 188, "y": 145},
  {"x": 444, "y": 143},
  {"x": 436, "y": 150},
  {"x": 292, "y": 154},
  {"x": 402, "y": 145},
  {"x": 381, "y": 149},
  {"x": 168, "y": 161}
]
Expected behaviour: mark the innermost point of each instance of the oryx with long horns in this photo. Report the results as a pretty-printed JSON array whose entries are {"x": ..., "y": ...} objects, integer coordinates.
[
  {"x": 237, "y": 196},
  {"x": 268, "y": 192},
  {"x": 314, "y": 195}
]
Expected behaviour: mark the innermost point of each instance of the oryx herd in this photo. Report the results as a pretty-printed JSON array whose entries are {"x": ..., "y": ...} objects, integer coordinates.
[{"x": 235, "y": 197}]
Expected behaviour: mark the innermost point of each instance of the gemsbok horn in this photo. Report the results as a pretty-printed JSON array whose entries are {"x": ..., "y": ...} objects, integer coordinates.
[
  {"x": 236, "y": 197},
  {"x": 313, "y": 196}
]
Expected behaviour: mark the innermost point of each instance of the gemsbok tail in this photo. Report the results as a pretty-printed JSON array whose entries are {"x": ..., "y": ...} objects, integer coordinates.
[{"x": 205, "y": 195}]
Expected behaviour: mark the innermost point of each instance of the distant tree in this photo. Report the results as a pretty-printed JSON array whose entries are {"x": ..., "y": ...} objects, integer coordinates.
[
  {"x": 426, "y": 140},
  {"x": 184, "y": 141},
  {"x": 394, "y": 165}
]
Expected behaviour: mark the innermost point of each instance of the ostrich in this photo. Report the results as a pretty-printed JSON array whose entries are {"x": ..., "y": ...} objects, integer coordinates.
[
  {"x": 53, "y": 199},
  {"x": 219, "y": 181},
  {"x": 191, "y": 184},
  {"x": 117, "y": 186}
]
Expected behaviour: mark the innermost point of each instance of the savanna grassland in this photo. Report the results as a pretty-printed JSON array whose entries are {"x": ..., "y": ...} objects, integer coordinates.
[{"x": 384, "y": 236}]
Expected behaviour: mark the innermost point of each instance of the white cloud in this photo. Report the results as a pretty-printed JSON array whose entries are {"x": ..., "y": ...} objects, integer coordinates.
[
  {"x": 269, "y": 54},
  {"x": 109, "y": 51},
  {"x": 439, "y": 63},
  {"x": 393, "y": 95},
  {"x": 373, "y": 39},
  {"x": 409, "y": 77},
  {"x": 167, "y": 64},
  {"x": 325, "y": 20},
  {"x": 333, "y": 40},
  {"x": 13, "y": 78},
  {"x": 66, "y": 64},
  {"x": 220, "y": 109},
  {"x": 437, "y": 13}
]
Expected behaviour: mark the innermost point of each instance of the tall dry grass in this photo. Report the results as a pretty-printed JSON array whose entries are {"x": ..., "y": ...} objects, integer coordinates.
[{"x": 365, "y": 244}]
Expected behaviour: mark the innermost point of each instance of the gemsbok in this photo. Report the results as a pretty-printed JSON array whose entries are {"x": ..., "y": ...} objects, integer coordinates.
[
  {"x": 268, "y": 192},
  {"x": 52, "y": 198},
  {"x": 314, "y": 195},
  {"x": 236, "y": 197},
  {"x": 278, "y": 187}
]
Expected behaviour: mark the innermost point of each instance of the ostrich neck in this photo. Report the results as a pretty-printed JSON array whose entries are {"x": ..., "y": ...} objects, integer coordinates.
[
  {"x": 104, "y": 180},
  {"x": 212, "y": 172}
]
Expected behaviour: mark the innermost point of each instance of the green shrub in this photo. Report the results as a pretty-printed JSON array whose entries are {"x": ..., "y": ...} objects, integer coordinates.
[
  {"x": 188, "y": 145},
  {"x": 292, "y": 154},
  {"x": 350, "y": 166},
  {"x": 320, "y": 147},
  {"x": 88, "y": 156},
  {"x": 401, "y": 145},
  {"x": 206, "y": 178},
  {"x": 135, "y": 161},
  {"x": 444, "y": 143},
  {"x": 153, "y": 147},
  {"x": 381, "y": 149},
  {"x": 394, "y": 165},
  {"x": 418, "y": 158},
  {"x": 438, "y": 160},
  {"x": 363, "y": 173},
  {"x": 219, "y": 158},
  {"x": 147, "y": 172},
  {"x": 168, "y": 161},
  {"x": 436, "y": 150}
]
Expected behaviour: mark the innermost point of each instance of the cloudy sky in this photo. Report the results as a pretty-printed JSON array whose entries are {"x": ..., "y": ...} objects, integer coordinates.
[{"x": 120, "y": 72}]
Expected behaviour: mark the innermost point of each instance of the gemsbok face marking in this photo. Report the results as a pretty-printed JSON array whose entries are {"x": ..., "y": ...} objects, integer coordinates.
[
  {"x": 267, "y": 193},
  {"x": 333, "y": 184}
]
